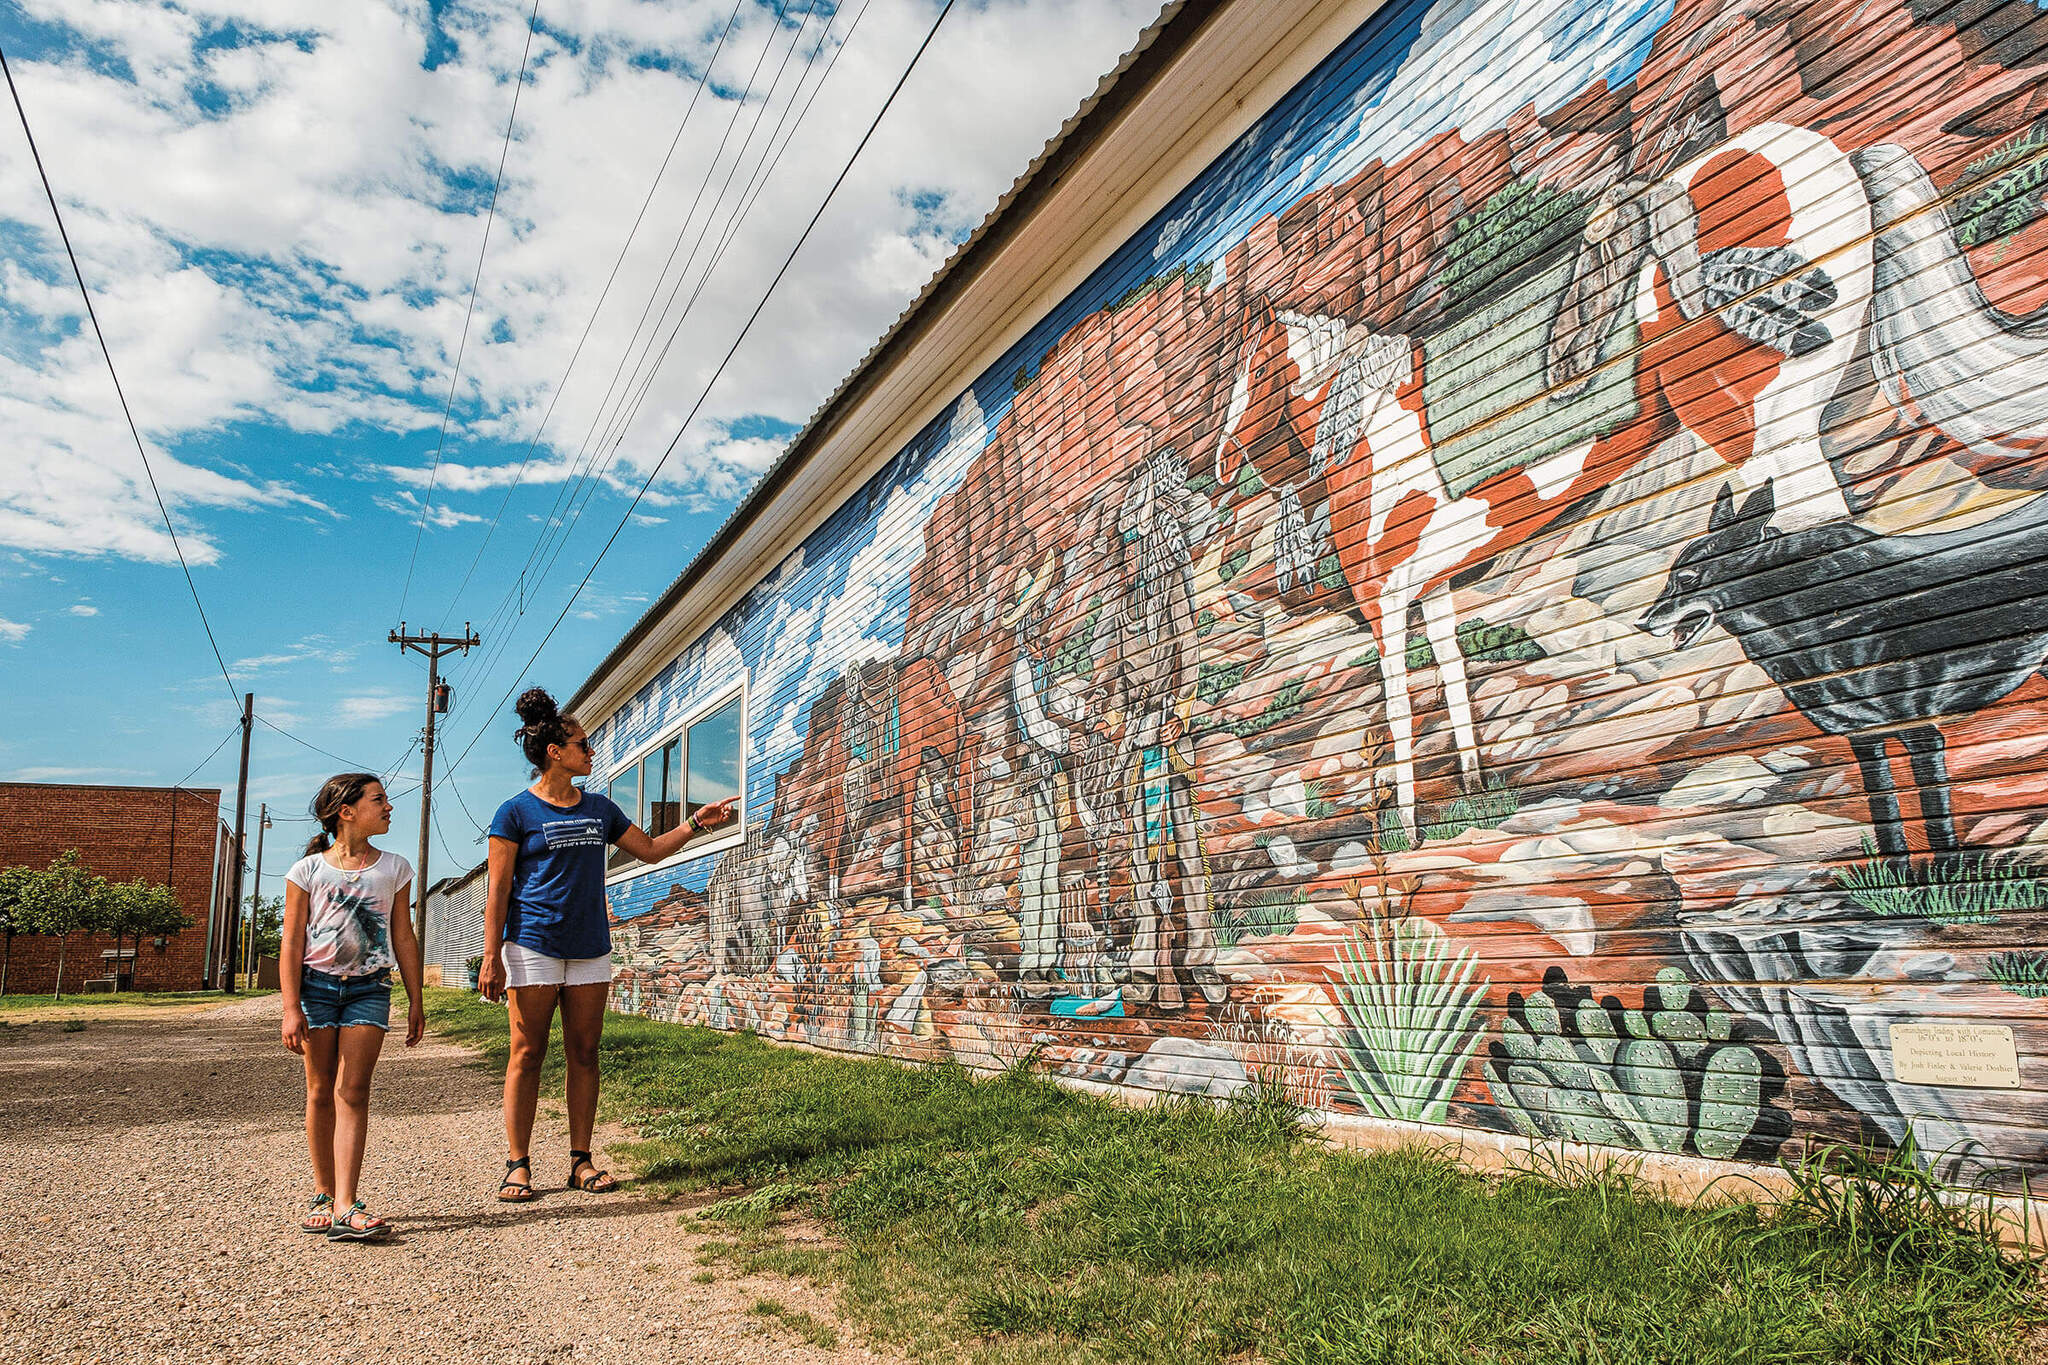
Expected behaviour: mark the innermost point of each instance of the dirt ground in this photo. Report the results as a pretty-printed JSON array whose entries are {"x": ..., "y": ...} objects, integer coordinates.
[{"x": 153, "y": 1170}]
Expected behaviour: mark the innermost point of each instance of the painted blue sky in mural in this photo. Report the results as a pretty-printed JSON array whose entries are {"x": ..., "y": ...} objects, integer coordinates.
[{"x": 842, "y": 597}]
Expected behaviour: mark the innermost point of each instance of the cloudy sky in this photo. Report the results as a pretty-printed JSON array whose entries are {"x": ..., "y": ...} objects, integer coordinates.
[{"x": 280, "y": 206}]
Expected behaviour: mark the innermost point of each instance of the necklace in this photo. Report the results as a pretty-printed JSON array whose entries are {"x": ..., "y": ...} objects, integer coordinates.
[{"x": 355, "y": 874}]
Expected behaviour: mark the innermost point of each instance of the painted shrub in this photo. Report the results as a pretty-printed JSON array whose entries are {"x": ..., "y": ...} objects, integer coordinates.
[{"x": 1516, "y": 601}]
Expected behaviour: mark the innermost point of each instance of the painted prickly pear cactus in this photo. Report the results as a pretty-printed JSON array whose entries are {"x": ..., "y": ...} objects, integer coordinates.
[{"x": 1673, "y": 1076}]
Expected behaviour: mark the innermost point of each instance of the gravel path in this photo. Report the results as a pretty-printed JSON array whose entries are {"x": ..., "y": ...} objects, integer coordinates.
[{"x": 152, "y": 1172}]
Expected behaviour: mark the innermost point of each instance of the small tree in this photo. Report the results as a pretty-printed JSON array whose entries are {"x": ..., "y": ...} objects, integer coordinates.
[
  {"x": 13, "y": 888},
  {"x": 266, "y": 919},
  {"x": 64, "y": 899},
  {"x": 142, "y": 909}
]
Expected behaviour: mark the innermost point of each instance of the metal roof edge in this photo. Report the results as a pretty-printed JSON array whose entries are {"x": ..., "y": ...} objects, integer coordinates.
[{"x": 1163, "y": 40}]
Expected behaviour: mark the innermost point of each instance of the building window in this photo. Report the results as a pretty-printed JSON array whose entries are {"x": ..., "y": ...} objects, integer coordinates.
[
  {"x": 715, "y": 757},
  {"x": 701, "y": 765},
  {"x": 661, "y": 780},
  {"x": 625, "y": 794}
]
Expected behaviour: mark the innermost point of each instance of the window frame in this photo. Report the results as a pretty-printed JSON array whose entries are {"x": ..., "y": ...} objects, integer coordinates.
[{"x": 677, "y": 733}]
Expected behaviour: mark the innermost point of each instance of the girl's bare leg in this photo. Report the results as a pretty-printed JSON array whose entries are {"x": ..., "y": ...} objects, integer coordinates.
[
  {"x": 323, "y": 1053},
  {"x": 360, "y": 1045}
]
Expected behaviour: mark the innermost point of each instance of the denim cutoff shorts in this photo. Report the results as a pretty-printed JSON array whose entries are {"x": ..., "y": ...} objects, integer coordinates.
[{"x": 345, "y": 1001}]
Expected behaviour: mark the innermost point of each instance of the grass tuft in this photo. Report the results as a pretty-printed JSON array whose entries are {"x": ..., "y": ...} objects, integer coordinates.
[
  {"x": 2022, "y": 973},
  {"x": 1968, "y": 888}
]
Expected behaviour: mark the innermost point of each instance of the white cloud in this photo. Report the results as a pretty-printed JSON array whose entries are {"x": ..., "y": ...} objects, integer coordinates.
[
  {"x": 860, "y": 621},
  {"x": 319, "y": 649},
  {"x": 12, "y": 632},
  {"x": 367, "y": 710},
  {"x": 252, "y": 267},
  {"x": 73, "y": 774},
  {"x": 83, "y": 609},
  {"x": 438, "y": 514}
]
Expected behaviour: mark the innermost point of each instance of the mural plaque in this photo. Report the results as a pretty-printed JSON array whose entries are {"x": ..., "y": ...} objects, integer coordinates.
[{"x": 1955, "y": 1054}]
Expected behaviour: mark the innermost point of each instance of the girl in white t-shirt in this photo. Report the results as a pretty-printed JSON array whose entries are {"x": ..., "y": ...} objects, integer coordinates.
[{"x": 347, "y": 923}]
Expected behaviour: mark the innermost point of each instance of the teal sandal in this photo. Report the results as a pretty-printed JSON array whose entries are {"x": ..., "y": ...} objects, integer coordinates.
[
  {"x": 319, "y": 1215},
  {"x": 347, "y": 1229}
]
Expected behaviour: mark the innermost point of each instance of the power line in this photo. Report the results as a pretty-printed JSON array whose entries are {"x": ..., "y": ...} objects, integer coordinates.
[
  {"x": 749, "y": 198},
  {"x": 581, "y": 470},
  {"x": 743, "y": 206},
  {"x": 119, "y": 392},
  {"x": 233, "y": 730},
  {"x": 462, "y": 346},
  {"x": 731, "y": 351},
  {"x": 603, "y": 294},
  {"x": 307, "y": 744}
]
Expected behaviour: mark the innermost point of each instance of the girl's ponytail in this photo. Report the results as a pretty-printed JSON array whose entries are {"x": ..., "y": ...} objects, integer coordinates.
[{"x": 343, "y": 789}]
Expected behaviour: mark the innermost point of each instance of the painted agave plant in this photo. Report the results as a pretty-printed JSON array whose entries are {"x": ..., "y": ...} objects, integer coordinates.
[{"x": 1410, "y": 1008}]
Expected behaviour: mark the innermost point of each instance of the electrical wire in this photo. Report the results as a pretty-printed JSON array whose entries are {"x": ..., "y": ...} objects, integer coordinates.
[
  {"x": 119, "y": 392},
  {"x": 745, "y": 206},
  {"x": 580, "y": 467},
  {"x": 603, "y": 294},
  {"x": 476, "y": 280},
  {"x": 308, "y": 744},
  {"x": 755, "y": 188},
  {"x": 731, "y": 351},
  {"x": 233, "y": 730}
]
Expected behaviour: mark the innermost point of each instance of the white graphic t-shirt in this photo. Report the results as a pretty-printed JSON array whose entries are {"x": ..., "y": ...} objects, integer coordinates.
[{"x": 348, "y": 916}]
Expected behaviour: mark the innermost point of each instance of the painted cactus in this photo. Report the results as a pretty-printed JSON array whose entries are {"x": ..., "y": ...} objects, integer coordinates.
[{"x": 1669, "y": 1077}]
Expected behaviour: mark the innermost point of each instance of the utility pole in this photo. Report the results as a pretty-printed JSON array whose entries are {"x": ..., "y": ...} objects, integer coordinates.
[
  {"x": 433, "y": 646},
  {"x": 256, "y": 892},
  {"x": 227, "y": 980}
]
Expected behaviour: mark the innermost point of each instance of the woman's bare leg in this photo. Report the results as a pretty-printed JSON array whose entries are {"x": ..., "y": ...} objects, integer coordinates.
[
  {"x": 360, "y": 1044},
  {"x": 582, "y": 1030},
  {"x": 533, "y": 1013}
]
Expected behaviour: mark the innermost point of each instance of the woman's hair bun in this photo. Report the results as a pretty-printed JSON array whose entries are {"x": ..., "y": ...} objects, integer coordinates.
[
  {"x": 536, "y": 707},
  {"x": 544, "y": 724}
]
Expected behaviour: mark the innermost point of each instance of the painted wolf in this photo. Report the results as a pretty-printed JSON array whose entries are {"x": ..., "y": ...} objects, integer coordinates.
[{"x": 1873, "y": 637}]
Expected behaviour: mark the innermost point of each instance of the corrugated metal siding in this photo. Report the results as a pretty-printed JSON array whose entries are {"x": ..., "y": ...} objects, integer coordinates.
[
  {"x": 1515, "y": 602},
  {"x": 455, "y": 928}
]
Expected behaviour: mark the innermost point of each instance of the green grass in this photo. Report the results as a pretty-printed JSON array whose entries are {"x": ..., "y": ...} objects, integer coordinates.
[
  {"x": 1011, "y": 1221},
  {"x": 1483, "y": 809},
  {"x": 1970, "y": 888}
]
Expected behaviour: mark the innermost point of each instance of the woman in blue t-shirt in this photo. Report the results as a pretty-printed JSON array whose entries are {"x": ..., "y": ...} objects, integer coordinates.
[{"x": 547, "y": 935}]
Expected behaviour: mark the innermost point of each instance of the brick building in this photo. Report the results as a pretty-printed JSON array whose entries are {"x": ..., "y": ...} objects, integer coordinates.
[{"x": 164, "y": 834}]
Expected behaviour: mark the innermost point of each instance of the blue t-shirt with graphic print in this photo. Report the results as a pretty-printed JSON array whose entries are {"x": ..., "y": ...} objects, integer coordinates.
[{"x": 558, "y": 906}]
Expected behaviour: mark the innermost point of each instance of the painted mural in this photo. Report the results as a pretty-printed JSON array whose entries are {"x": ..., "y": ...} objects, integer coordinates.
[{"x": 1517, "y": 602}]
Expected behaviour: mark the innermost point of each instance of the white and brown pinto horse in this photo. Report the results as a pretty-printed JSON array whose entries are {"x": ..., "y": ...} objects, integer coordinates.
[{"x": 1748, "y": 275}]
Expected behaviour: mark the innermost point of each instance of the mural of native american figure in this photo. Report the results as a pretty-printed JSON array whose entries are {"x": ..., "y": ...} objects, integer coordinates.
[{"x": 1513, "y": 602}]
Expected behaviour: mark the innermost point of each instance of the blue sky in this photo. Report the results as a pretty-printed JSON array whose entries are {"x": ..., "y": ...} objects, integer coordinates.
[{"x": 279, "y": 208}]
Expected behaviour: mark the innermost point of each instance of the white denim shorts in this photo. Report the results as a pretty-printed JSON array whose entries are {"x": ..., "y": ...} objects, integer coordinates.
[{"x": 525, "y": 967}]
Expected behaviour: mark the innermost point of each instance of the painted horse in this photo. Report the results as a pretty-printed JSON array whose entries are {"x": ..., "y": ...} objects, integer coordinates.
[{"x": 1726, "y": 299}]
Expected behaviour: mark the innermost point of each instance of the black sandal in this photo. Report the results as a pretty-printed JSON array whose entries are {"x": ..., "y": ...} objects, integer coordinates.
[
  {"x": 524, "y": 1192},
  {"x": 597, "y": 1182}
]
